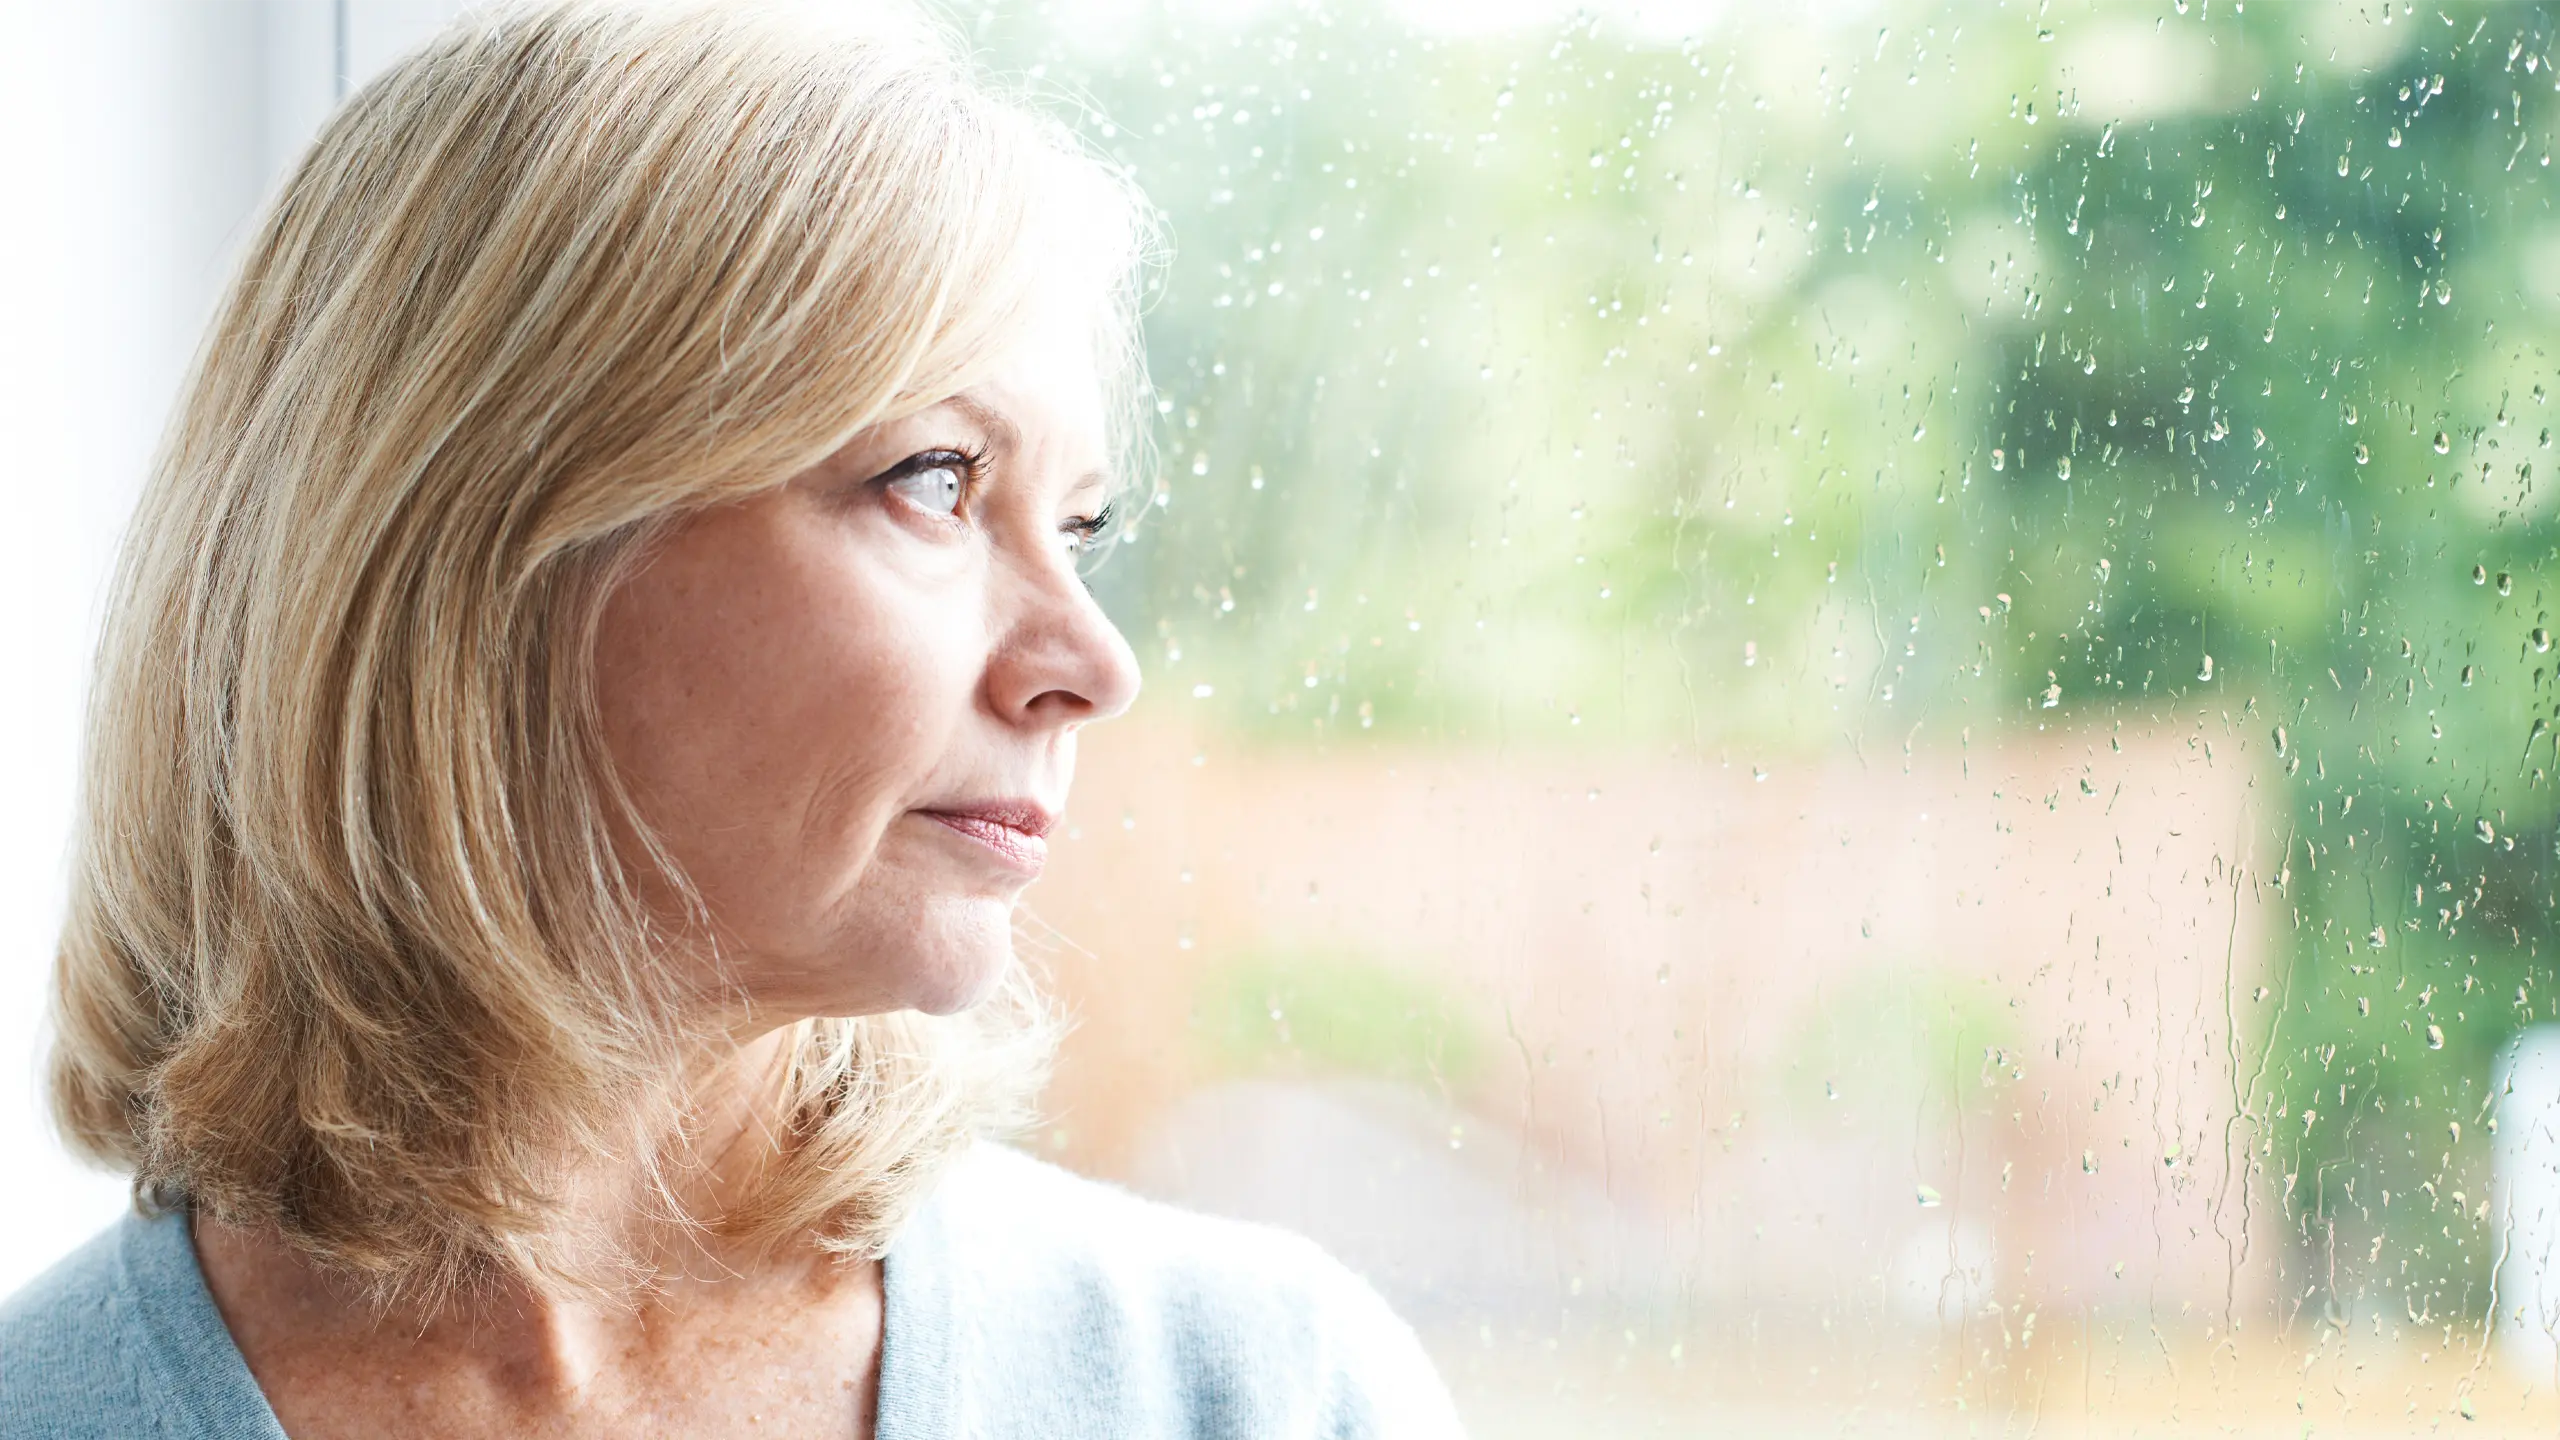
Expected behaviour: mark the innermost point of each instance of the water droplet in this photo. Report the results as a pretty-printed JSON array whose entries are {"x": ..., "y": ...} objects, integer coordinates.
[
  {"x": 2170, "y": 1157},
  {"x": 2435, "y": 1037},
  {"x": 2444, "y": 443},
  {"x": 1929, "y": 1198},
  {"x": 2466, "y": 674},
  {"x": 2088, "y": 1162},
  {"x": 2394, "y": 141},
  {"x": 2281, "y": 742},
  {"x": 2479, "y": 574},
  {"x": 2506, "y": 583},
  {"x": 2063, "y": 467},
  {"x": 2541, "y": 640},
  {"x": 2206, "y": 673},
  {"x": 2363, "y": 455}
]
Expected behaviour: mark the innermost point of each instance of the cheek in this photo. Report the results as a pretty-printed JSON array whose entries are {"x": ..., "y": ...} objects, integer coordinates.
[{"x": 771, "y": 700}]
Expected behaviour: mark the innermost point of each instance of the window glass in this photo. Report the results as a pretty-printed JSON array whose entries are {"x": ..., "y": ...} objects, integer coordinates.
[{"x": 1850, "y": 706}]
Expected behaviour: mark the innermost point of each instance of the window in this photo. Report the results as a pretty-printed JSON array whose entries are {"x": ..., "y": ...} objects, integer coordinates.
[{"x": 1850, "y": 711}]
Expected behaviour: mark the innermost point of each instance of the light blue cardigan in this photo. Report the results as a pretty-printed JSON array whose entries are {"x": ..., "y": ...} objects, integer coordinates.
[{"x": 1021, "y": 1301}]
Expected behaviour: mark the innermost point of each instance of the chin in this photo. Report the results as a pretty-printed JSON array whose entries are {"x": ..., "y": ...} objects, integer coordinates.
[{"x": 965, "y": 953}]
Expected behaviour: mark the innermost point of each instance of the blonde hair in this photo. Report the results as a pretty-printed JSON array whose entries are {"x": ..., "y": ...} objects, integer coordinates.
[{"x": 351, "y": 951}]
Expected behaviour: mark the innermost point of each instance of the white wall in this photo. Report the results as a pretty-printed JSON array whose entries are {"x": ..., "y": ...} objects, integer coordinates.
[{"x": 136, "y": 138}]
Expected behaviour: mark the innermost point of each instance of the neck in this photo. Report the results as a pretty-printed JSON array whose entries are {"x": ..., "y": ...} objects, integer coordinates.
[{"x": 659, "y": 1216}]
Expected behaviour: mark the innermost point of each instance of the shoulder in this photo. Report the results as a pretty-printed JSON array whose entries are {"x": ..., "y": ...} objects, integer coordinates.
[
  {"x": 67, "y": 1349},
  {"x": 122, "y": 1339},
  {"x": 1238, "y": 1329}
]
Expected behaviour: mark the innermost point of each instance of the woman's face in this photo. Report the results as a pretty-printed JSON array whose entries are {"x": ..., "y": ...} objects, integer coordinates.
[{"x": 848, "y": 705}]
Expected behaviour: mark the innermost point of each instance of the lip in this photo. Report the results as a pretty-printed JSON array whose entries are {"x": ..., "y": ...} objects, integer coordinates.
[{"x": 1015, "y": 830}]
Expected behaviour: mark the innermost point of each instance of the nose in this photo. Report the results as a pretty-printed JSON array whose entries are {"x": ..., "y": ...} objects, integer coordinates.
[{"x": 1058, "y": 660}]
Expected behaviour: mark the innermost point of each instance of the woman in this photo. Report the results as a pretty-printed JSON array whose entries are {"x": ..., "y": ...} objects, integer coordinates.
[{"x": 586, "y": 688}]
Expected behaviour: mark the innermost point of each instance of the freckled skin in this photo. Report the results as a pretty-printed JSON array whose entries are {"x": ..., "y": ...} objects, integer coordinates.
[
  {"x": 792, "y": 1351},
  {"x": 788, "y": 684}
]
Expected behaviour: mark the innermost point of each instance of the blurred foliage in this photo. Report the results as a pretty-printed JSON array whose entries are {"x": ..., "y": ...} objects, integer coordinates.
[
  {"x": 1333, "y": 1014},
  {"x": 1938, "y": 371}
]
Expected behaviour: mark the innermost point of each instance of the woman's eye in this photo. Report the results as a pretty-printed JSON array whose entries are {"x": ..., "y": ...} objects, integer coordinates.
[
  {"x": 936, "y": 487},
  {"x": 1083, "y": 533}
]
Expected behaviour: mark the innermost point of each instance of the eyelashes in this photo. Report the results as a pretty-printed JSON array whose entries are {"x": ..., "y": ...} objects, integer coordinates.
[
  {"x": 1087, "y": 532},
  {"x": 945, "y": 480}
]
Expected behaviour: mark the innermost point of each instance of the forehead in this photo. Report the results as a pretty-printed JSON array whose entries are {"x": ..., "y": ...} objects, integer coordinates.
[
  {"x": 1042, "y": 392},
  {"x": 1054, "y": 360}
]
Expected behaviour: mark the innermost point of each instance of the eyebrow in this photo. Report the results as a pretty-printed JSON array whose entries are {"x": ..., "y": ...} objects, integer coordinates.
[
  {"x": 1006, "y": 436},
  {"x": 1000, "y": 429}
]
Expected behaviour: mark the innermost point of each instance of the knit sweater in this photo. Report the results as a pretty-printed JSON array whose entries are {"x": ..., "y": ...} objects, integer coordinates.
[{"x": 1020, "y": 1301}]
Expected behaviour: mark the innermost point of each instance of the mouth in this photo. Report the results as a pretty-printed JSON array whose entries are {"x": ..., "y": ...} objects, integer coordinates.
[{"x": 1014, "y": 831}]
